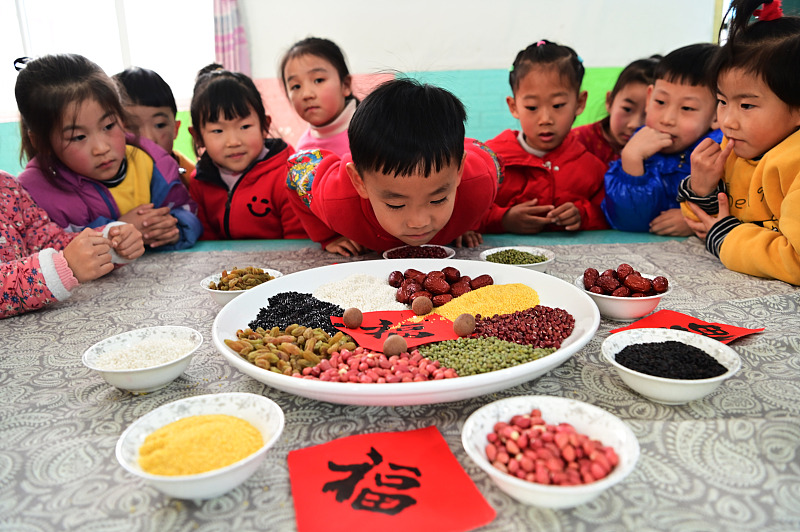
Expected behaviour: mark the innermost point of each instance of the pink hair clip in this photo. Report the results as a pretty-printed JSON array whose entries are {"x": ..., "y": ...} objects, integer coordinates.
[
  {"x": 769, "y": 11},
  {"x": 541, "y": 43}
]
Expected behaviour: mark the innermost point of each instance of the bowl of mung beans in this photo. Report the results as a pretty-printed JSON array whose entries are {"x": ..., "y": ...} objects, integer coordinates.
[
  {"x": 551, "y": 452},
  {"x": 203, "y": 446},
  {"x": 226, "y": 285},
  {"x": 532, "y": 258},
  {"x": 670, "y": 366},
  {"x": 144, "y": 360}
]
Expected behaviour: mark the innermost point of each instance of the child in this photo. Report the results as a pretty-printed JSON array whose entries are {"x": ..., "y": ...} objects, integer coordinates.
[
  {"x": 83, "y": 169},
  {"x": 152, "y": 112},
  {"x": 642, "y": 186},
  {"x": 752, "y": 216},
  {"x": 239, "y": 180},
  {"x": 550, "y": 183},
  {"x": 42, "y": 263},
  {"x": 625, "y": 105},
  {"x": 317, "y": 82},
  {"x": 411, "y": 177}
]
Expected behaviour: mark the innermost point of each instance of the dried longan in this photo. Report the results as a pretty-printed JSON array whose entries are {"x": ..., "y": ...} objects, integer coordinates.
[
  {"x": 464, "y": 324},
  {"x": 352, "y": 318},
  {"x": 421, "y": 305},
  {"x": 394, "y": 345}
]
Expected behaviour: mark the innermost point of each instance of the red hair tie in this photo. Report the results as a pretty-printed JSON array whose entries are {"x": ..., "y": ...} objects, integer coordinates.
[{"x": 769, "y": 11}]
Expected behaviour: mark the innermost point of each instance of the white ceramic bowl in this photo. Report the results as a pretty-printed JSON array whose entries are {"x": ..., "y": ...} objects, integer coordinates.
[
  {"x": 553, "y": 292},
  {"x": 450, "y": 251},
  {"x": 223, "y": 297},
  {"x": 262, "y": 413},
  {"x": 146, "y": 379},
  {"x": 538, "y": 266},
  {"x": 585, "y": 418},
  {"x": 624, "y": 308},
  {"x": 663, "y": 390}
]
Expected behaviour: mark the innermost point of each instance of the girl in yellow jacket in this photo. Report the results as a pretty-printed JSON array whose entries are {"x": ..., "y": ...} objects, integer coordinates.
[{"x": 743, "y": 196}]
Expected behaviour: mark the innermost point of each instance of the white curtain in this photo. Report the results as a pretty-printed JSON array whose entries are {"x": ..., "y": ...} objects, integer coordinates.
[{"x": 230, "y": 40}]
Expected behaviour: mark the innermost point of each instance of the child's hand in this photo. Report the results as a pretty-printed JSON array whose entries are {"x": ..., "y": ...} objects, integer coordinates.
[
  {"x": 643, "y": 145},
  {"x": 708, "y": 165},
  {"x": 126, "y": 241},
  {"x": 469, "y": 239},
  {"x": 527, "y": 217},
  {"x": 88, "y": 255},
  {"x": 706, "y": 221},
  {"x": 671, "y": 223},
  {"x": 159, "y": 227},
  {"x": 137, "y": 216},
  {"x": 345, "y": 247},
  {"x": 566, "y": 215}
]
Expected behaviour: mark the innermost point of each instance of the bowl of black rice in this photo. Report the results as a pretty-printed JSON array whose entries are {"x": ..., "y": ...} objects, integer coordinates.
[{"x": 670, "y": 366}]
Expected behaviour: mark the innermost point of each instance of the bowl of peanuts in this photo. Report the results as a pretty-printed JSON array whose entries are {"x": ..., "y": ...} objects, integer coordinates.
[
  {"x": 203, "y": 446},
  {"x": 550, "y": 452},
  {"x": 224, "y": 286},
  {"x": 622, "y": 293}
]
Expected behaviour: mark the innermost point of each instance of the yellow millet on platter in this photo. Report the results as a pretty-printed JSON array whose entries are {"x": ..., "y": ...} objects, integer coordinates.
[
  {"x": 197, "y": 444},
  {"x": 490, "y": 300}
]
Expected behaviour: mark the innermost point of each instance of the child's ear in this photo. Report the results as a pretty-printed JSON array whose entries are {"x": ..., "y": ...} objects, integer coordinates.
[
  {"x": 177, "y": 127},
  {"x": 265, "y": 133},
  {"x": 198, "y": 140},
  {"x": 609, "y": 101},
  {"x": 512, "y": 106},
  {"x": 582, "y": 96},
  {"x": 347, "y": 86},
  {"x": 355, "y": 178}
]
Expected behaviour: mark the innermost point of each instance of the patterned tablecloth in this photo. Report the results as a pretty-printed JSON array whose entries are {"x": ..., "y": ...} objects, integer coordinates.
[{"x": 728, "y": 462}]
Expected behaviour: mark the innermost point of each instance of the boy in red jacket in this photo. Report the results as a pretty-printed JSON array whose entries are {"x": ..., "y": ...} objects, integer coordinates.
[{"x": 410, "y": 178}]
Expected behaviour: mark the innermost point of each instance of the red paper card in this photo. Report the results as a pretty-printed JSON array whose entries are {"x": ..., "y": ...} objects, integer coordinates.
[
  {"x": 669, "y": 319},
  {"x": 384, "y": 481},
  {"x": 377, "y": 326}
]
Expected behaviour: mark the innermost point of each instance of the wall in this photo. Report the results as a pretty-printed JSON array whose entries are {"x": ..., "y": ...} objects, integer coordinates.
[{"x": 465, "y": 46}]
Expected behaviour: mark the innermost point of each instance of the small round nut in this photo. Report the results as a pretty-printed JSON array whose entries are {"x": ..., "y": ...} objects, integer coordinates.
[
  {"x": 422, "y": 305},
  {"x": 394, "y": 345},
  {"x": 464, "y": 324},
  {"x": 352, "y": 318}
]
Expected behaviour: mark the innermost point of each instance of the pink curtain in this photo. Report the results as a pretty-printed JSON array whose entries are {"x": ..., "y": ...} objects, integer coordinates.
[{"x": 230, "y": 41}]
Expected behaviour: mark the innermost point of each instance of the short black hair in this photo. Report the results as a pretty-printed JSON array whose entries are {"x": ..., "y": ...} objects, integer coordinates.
[
  {"x": 690, "y": 65},
  {"x": 405, "y": 126},
  {"x": 142, "y": 86},
  {"x": 551, "y": 54}
]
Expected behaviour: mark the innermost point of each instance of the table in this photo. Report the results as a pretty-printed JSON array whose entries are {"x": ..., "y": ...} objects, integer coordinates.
[{"x": 728, "y": 462}]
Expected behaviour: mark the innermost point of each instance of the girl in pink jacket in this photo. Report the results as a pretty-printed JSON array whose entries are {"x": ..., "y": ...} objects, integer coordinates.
[{"x": 42, "y": 263}]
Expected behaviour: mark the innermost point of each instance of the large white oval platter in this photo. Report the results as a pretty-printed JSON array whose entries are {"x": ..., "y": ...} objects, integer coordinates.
[{"x": 553, "y": 292}]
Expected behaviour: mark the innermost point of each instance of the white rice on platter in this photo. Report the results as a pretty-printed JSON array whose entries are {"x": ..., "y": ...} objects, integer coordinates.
[
  {"x": 364, "y": 292},
  {"x": 145, "y": 354}
]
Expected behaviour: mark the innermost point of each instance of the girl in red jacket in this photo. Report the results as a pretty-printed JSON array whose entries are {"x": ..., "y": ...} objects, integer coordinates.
[
  {"x": 239, "y": 182},
  {"x": 551, "y": 182}
]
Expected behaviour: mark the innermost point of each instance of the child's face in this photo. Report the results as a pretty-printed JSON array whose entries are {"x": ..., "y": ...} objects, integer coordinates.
[
  {"x": 626, "y": 112},
  {"x": 546, "y": 106},
  {"x": 751, "y": 115},
  {"x": 315, "y": 89},
  {"x": 91, "y": 141},
  {"x": 155, "y": 123},
  {"x": 233, "y": 144},
  {"x": 411, "y": 208},
  {"x": 685, "y": 112}
]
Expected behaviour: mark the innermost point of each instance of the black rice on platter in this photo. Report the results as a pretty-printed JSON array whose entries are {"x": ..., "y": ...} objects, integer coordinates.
[
  {"x": 287, "y": 308},
  {"x": 418, "y": 252},
  {"x": 671, "y": 360}
]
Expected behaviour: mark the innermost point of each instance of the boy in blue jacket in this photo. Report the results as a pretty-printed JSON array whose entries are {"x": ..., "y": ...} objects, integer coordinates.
[{"x": 642, "y": 186}]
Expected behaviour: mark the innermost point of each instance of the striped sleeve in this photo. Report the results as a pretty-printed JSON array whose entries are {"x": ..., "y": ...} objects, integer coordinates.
[
  {"x": 709, "y": 204},
  {"x": 716, "y": 235}
]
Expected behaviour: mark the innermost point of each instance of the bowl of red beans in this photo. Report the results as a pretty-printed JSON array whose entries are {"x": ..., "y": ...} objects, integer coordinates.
[
  {"x": 550, "y": 452},
  {"x": 623, "y": 293},
  {"x": 670, "y": 366}
]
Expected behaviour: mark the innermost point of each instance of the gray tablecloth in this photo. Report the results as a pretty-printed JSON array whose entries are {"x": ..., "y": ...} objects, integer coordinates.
[{"x": 728, "y": 462}]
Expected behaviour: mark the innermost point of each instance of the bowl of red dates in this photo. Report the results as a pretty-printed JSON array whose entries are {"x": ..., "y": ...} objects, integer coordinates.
[
  {"x": 622, "y": 293},
  {"x": 550, "y": 452},
  {"x": 425, "y": 251}
]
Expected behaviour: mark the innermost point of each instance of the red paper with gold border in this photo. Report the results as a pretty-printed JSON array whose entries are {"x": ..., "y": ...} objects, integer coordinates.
[
  {"x": 669, "y": 319},
  {"x": 385, "y": 481},
  {"x": 377, "y": 326}
]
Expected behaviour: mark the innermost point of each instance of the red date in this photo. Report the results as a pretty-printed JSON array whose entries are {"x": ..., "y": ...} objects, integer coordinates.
[
  {"x": 441, "y": 286},
  {"x": 623, "y": 281}
]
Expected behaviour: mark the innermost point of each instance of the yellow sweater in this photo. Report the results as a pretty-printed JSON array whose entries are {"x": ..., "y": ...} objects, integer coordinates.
[{"x": 765, "y": 195}]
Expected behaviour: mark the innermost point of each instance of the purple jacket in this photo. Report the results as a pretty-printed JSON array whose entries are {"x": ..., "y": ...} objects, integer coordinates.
[{"x": 75, "y": 201}]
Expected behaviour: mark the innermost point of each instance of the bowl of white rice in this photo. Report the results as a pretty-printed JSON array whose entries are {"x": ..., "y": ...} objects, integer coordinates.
[{"x": 144, "y": 360}]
